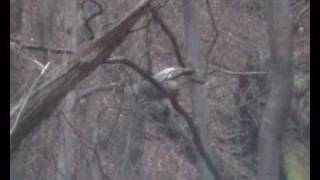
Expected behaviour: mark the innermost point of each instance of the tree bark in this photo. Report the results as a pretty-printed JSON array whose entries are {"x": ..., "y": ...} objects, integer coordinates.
[
  {"x": 198, "y": 93},
  {"x": 66, "y": 155},
  {"x": 280, "y": 30}
]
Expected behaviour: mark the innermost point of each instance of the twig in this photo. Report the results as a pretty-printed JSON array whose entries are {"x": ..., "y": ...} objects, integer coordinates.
[
  {"x": 117, "y": 120},
  {"x": 148, "y": 43},
  {"x": 17, "y": 49},
  {"x": 214, "y": 39},
  {"x": 92, "y": 149},
  {"x": 87, "y": 92},
  {"x": 15, "y": 108},
  {"x": 172, "y": 38},
  {"x": 16, "y": 42},
  {"x": 141, "y": 27},
  {"x": 301, "y": 14},
  {"x": 297, "y": 20},
  {"x": 214, "y": 28},
  {"x": 27, "y": 97},
  {"x": 241, "y": 73},
  {"x": 87, "y": 21},
  {"x": 75, "y": 131}
]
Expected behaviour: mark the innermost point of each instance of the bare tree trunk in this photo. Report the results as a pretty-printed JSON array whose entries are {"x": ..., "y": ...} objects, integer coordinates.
[
  {"x": 66, "y": 155},
  {"x": 278, "y": 105},
  {"x": 66, "y": 158},
  {"x": 198, "y": 93}
]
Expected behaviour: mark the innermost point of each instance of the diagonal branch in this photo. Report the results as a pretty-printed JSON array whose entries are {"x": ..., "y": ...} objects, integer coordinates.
[
  {"x": 47, "y": 97},
  {"x": 214, "y": 39},
  {"x": 172, "y": 38},
  {"x": 214, "y": 28},
  {"x": 24, "y": 102},
  {"x": 91, "y": 90},
  {"x": 212, "y": 164},
  {"x": 301, "y": 14}
]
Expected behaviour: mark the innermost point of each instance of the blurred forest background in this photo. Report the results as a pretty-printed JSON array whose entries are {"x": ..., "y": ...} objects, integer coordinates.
[{"x": 111, "y": 123}]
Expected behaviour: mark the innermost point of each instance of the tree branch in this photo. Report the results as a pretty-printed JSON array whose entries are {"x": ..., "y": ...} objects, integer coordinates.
[
  {"x": 15, "y": 123},
  {"x": 214, "y": 39},
  {"x": 214, "y": 28},
  {"x": 95, "y": 14},
  {"x": 87, "y": 92},
  {"x": 301, "y": 14},
  {"x": 47, "y": 97},
  {"x": 172, "y": 38},
  {"x": 21, "y": 45},
  {"x": 176, "y": 105},
  {"x": 241, "y": 73}
]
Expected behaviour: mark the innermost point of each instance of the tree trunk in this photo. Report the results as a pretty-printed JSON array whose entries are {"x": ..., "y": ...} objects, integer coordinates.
[
  {"x": 66, "y": 154},
  {"x": 278, "y": 105},
  {"x": 198, "y": 93},
  {"x": 66, "y": 157}
]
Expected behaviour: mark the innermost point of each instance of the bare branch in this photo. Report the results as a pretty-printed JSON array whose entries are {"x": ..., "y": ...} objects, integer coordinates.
[
  {"x": 45, "y": 99},
  {"x": 148, "y": 43},
  {"x": 214, "y": 28},
  {"x": 87, "y": 92},
  {"x": 39, "y": 47},
  {"x": 241, "y": 73},
  {"x": 176, "y": 105},
  {"x": 301, "y": 14},
  {"x": 141, "y": 27},
  {"x": 87, "y": 21},
  {"x": 214, "y": 38},
  {"x": 15, "y": 107},
  {"x": 172, "y": 38},
  {"x": 27, "y": 98}
]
